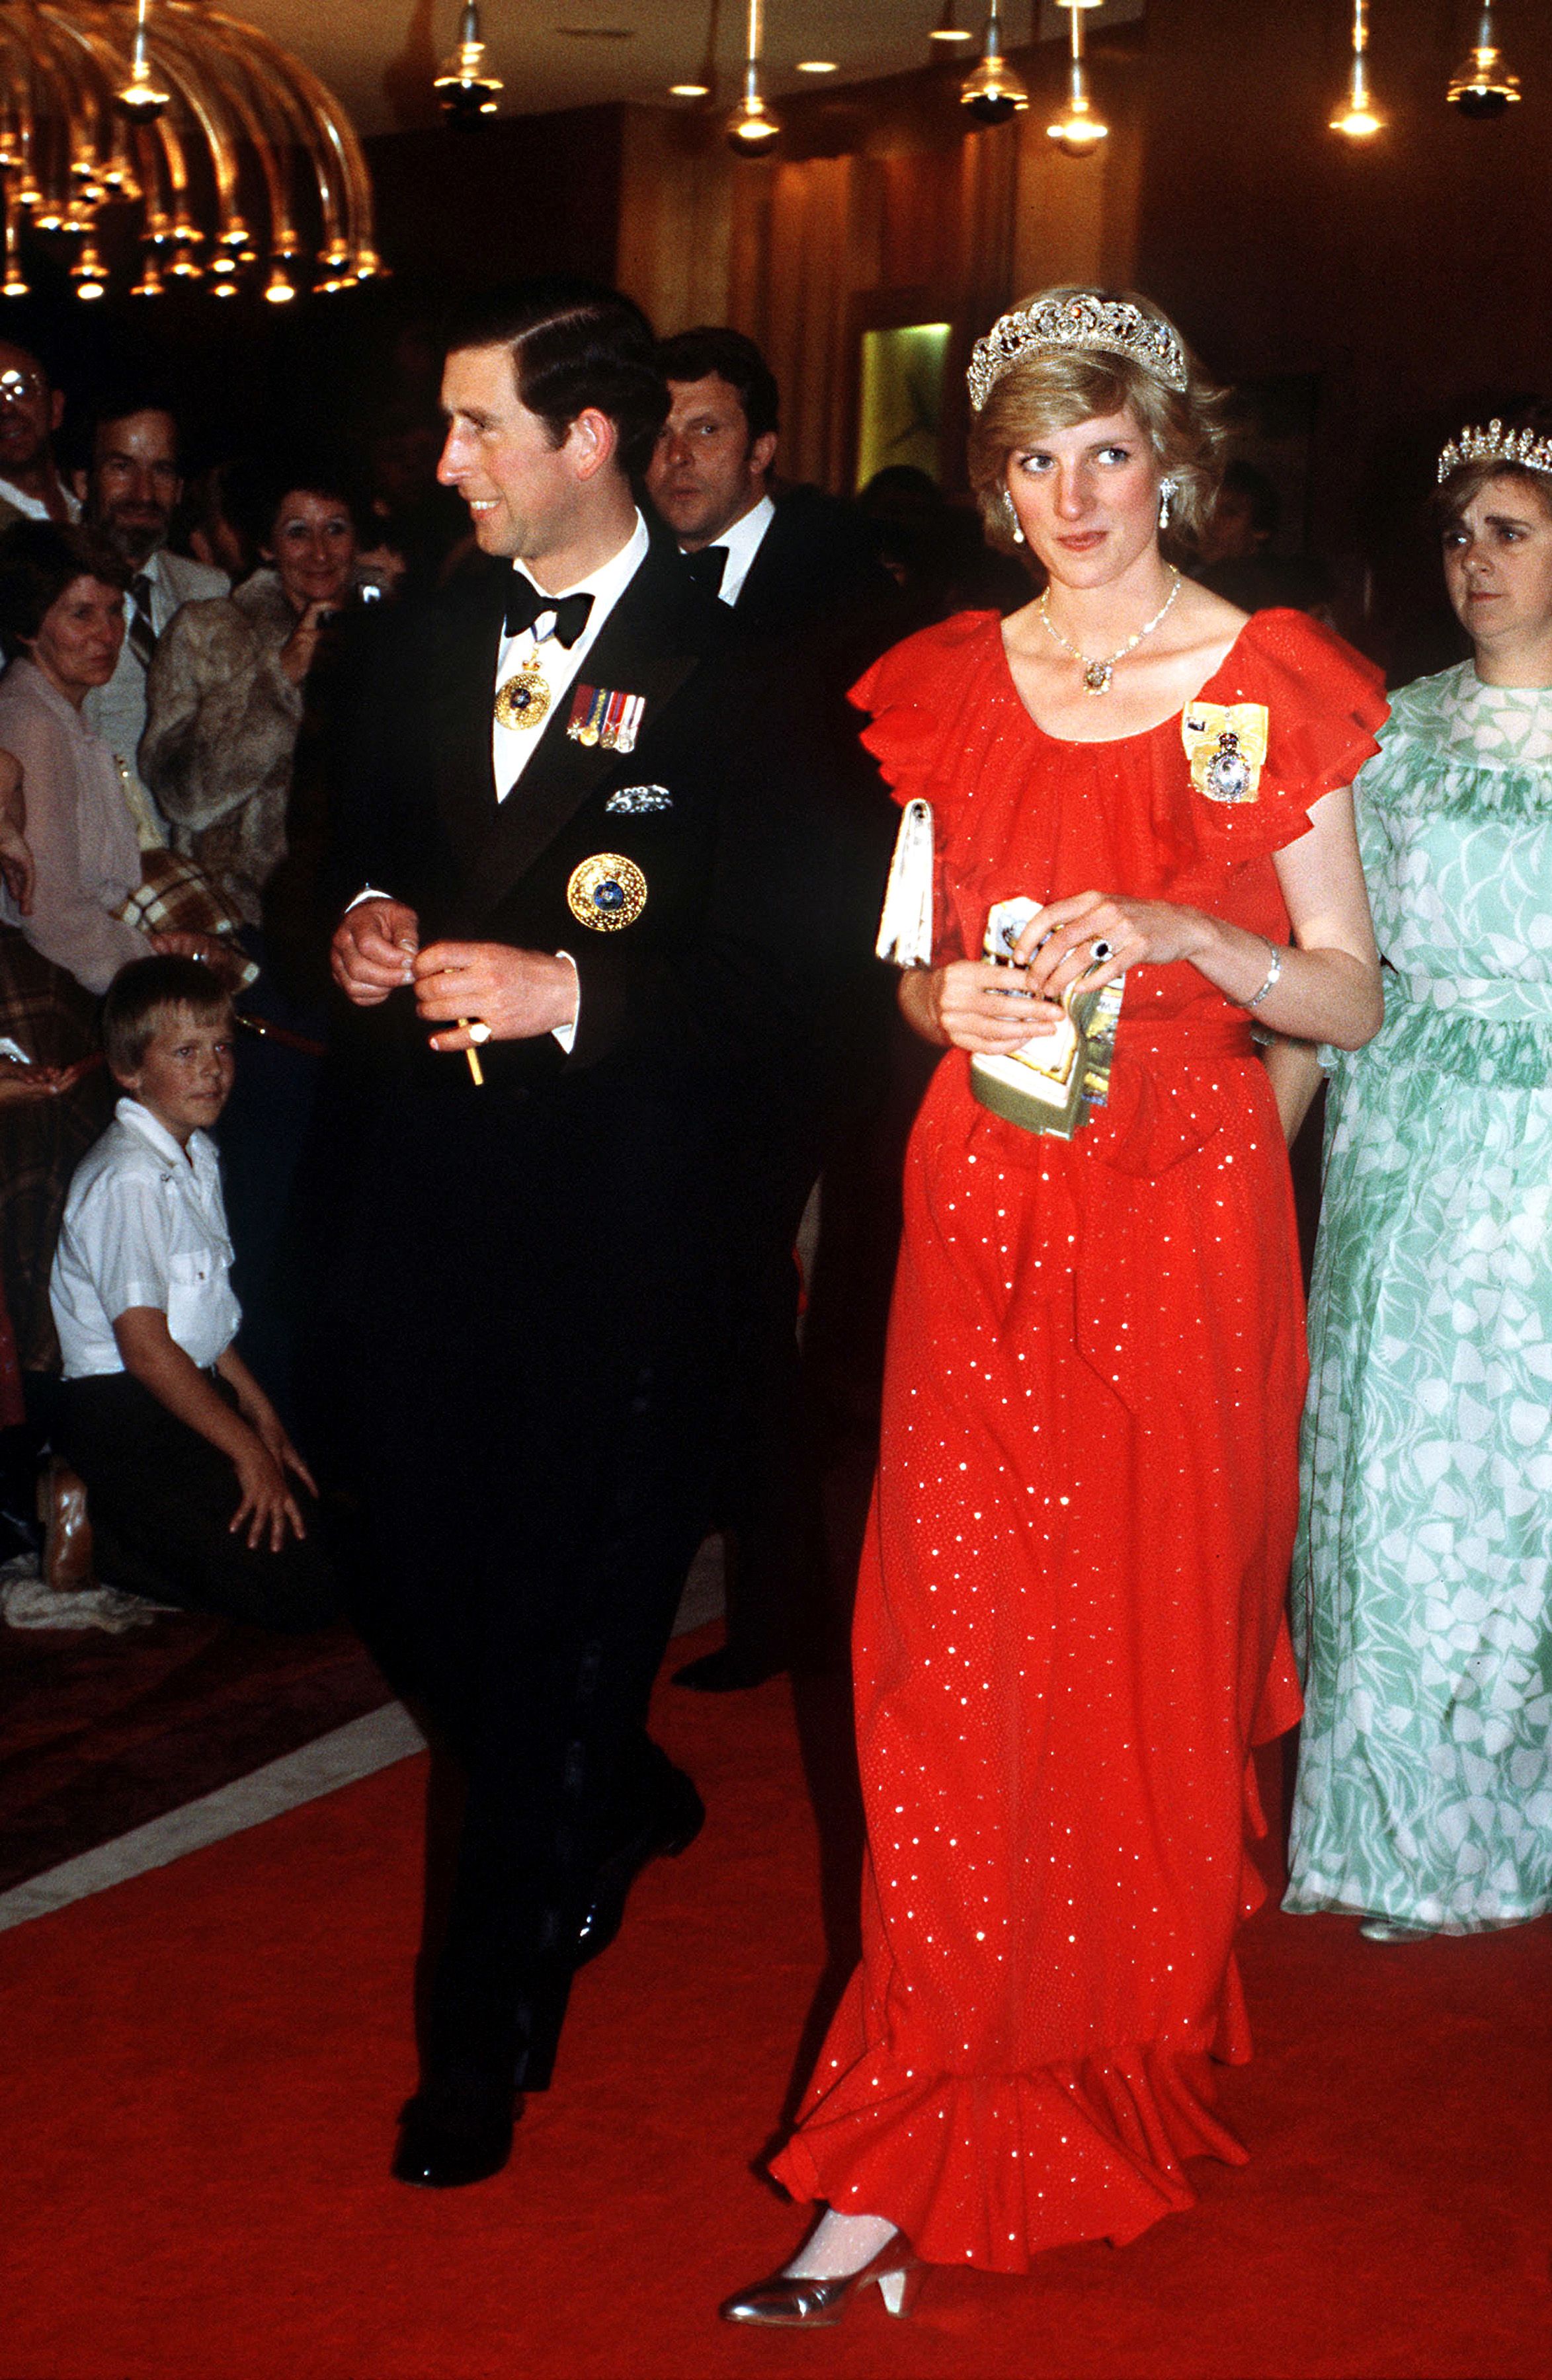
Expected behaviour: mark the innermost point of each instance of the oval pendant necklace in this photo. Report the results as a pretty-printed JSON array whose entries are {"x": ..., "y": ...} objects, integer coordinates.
[{"x": 1098, "y": 675}]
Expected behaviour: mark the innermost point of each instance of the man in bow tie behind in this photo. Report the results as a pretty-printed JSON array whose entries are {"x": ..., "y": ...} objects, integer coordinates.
[{"x": 583, "y": 856}]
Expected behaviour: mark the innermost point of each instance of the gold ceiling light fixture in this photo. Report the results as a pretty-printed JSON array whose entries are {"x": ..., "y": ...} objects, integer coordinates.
[
  {"x": 1356, "y": 116},
  {"x": 235, "y": 157},
  {"x": 1483, "y": 87},
  {"x": 465, "y": 88},
  {"x": 992, "y": 91},
  {"x": 1078, "y": 131},
  {"x": 752, "y": 128}
]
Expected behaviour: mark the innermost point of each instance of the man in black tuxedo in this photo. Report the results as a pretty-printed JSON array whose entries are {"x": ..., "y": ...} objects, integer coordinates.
[
  {"x": 800, "y": 567},
  {"x": 640, "y": 908},
  {"x": 811, "y": 603}
]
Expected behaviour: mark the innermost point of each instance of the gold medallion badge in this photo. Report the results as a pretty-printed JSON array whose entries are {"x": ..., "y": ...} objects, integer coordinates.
[
  {"x": 524, "y": 700},
  {"x": 1225, "y": 744},
  {"x": 607, "y": 893}
]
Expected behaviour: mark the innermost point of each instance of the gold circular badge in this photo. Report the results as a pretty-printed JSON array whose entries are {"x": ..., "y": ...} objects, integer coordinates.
[
  {"x": 524, "y": 700},
  {"x": 607, "y": 893}
]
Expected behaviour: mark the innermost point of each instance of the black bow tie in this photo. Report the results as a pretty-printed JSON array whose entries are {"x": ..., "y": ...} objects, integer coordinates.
[
  {"x": 525, "y": 602},
  {"x": 707, "y": 566}
]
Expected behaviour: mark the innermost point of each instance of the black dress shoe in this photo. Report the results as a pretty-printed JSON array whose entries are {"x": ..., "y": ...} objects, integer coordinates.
[
  {"x": 455, "y": 2132},
  {"x": 726, "y": 1671},
  {"x": 677, "y": 1820}
]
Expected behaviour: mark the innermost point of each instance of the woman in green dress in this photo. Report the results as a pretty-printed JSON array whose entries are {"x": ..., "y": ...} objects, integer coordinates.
[{"x": 1421, "y": 1604}]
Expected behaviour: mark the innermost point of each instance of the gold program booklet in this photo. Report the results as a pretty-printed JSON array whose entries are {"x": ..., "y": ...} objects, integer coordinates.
[{"x": 1054, "y": 1082}]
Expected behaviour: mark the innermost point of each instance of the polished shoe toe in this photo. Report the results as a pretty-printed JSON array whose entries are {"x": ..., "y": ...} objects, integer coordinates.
[
  {"x": 449, "y": 2139},
  {"x": 672, "y": 1827}
]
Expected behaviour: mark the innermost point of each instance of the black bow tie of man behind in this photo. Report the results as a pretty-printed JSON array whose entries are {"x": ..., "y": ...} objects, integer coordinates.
[{"x": 563, "y": 1271}]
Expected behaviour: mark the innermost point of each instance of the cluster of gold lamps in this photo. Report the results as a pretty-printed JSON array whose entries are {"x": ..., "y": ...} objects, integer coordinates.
[
  {"x": 1481, "y": 88},
  {"x": 241, "y": 164}
]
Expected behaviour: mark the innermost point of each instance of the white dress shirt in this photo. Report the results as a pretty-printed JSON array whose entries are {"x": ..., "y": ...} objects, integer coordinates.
[
  {"x": 33, "y": 507},
  {"x": 742, "y": 543},
  {"x": 512, "y": 747},
  {"x": 117, "y": 709},
  {"x": 144, "y": 1224}
]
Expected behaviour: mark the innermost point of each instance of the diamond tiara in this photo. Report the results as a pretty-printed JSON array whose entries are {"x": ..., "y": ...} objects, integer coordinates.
[
  {"x": 1496, "y": 444},
  {"x": 1110, "y": 326}
]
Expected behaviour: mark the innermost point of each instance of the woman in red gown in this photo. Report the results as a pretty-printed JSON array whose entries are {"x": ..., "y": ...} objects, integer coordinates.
[{"x": 1069, "y": 1626}]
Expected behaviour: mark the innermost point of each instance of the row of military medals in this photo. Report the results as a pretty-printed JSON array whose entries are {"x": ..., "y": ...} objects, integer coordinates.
[
  {"x": 599, "y": 714},
  {"x": 607, "y": 891}
]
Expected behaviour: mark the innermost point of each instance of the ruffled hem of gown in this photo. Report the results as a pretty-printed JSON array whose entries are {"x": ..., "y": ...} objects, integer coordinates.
[{"x": 991, "y": 2170}]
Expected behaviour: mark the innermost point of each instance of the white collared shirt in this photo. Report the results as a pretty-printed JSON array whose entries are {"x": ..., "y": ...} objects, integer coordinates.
[
  {"x": 513, "y": 747},
  {"x": 145, "y": 1224},
  {"x": 33, "y": 507},
  {"x": 743, "y": 541}
]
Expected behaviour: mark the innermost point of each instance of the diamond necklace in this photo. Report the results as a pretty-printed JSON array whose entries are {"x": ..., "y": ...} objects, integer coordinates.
[{"x": 1098, "y": 675}]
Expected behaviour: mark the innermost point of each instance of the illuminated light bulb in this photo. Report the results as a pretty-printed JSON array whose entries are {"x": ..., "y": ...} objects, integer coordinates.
[
  {"x": 279, "y": 290},
  {"x": 1077, "y": 131},
  {"x": 992, "y": 91},
  {"x": 465, "y": 91},
  {"x": 818, "y": 66},
  {"x": 141, "y": 99},
  {"x": 751, "y": 128},
  {"x": 88, "y": 272},
  {"x": 690, "y": 90},
  {"x": 151, "y": 284},
  {"x": 1483, "y": 87},
  {"x": 1356, "y": 118},
  {"x": 947, "y": 31}
]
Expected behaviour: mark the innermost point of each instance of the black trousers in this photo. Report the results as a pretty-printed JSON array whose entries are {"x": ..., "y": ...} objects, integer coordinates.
[
  {"x": 536, "y": 1431},
  {"x": 161, "y": 1499}
]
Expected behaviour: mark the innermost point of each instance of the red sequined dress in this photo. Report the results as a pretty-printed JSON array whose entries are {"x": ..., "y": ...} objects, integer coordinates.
[{"x": 1069, "y": 1626}]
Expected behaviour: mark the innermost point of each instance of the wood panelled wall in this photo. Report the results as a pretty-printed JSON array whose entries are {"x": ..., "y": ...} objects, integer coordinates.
[{"x": 882, "y": 208}]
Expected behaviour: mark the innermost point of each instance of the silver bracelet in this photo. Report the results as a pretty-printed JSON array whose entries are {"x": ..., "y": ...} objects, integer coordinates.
[{"x": 1272, "y": 972}]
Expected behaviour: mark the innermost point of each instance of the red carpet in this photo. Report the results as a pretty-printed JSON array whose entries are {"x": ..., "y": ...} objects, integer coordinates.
[{"x": 202, "y": 2066}]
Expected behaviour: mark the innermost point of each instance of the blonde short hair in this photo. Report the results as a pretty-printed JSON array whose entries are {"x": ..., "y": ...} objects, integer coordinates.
[{"x": 1056, "y": 388}]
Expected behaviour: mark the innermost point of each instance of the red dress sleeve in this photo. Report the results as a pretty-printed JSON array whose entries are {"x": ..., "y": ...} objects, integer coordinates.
[
  {"x": 1324, "y": 703},
  {"x": 912, "y": 694}
]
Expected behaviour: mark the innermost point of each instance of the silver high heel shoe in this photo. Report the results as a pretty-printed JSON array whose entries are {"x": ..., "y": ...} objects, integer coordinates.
[{"x": 791, "y": 2301}]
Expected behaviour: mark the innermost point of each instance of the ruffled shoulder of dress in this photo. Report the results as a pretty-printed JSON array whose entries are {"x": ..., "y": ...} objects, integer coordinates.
[
  {"x": 914, "y": 695},
  {"x": 1425, "y": 765},
  {"x": 1324, "y": 704}
]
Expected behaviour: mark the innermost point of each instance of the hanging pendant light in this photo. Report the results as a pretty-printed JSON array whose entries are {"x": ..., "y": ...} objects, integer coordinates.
[
  {"x": 1483, "y": 87},
  {"x": 464, "y": 89},
  {"x": 1356, "y": 116},
  {"x": 992, "y": 91},
  {"x": 752, "y": 128},
  {"x": 1077, "y": 130},
  {"x": 142, "y": 99}
]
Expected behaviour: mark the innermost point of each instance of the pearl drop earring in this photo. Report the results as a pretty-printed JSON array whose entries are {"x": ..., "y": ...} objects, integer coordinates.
[{"x": 1165, "y": 492}]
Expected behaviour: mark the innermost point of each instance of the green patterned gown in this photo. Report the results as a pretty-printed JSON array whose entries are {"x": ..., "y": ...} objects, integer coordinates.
[{"x": 1421, "y": 1605}]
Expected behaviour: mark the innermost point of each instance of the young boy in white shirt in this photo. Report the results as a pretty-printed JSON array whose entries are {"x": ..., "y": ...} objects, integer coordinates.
[{"x": 196, "y": 1494}]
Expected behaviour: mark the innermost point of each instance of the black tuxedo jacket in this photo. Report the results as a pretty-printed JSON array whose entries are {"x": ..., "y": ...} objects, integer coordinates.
[{"x": 746, "y": 981}]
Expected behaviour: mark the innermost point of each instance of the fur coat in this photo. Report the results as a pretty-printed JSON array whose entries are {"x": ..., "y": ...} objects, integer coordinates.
[{"x": 222, "y": 718}]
